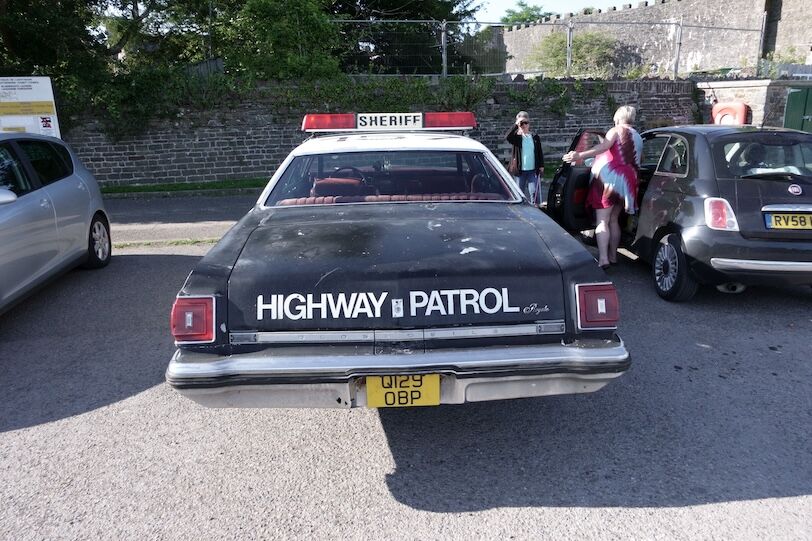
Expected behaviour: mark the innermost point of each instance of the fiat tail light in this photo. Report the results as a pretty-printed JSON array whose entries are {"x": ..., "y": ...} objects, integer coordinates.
[
  {"x": 192, "y": 320},
  {"x": 598, "y": 306},
  {"x": 719, "y": 215}
]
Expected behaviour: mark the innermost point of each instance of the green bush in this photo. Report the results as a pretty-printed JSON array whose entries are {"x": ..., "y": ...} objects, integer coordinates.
[
  {"x": 133, "y": 98},
  {"x": 295, "y": 40},
  {"x": 554, "y": 94},
  {"x": 594, "y": 54}
]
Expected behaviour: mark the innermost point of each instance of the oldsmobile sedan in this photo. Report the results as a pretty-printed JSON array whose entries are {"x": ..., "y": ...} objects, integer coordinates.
[{"x": 397, "y": 268}]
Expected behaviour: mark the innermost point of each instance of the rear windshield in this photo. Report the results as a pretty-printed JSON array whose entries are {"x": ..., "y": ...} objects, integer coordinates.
[
  {"x": 389, "y": 176},
  {"x": 763, "y": 155}
]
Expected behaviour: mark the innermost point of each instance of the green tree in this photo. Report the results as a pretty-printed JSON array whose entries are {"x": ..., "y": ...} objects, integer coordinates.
[
  {"x": 281, "y": 39},
  {"x": 524, "y": 14},
  {"x": 42, "y": 37},
  {"x": 39, "y": 37},
  {"x": 372, "y": 46},
  {"x": 594, "y": 54}
]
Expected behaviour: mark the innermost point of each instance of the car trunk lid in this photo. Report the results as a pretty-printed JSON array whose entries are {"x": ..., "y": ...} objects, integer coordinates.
[
  {"x": 394, "y": 267},
  {"x": 772, "y": 205}
]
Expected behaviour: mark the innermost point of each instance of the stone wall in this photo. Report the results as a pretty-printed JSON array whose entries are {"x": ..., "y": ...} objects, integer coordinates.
[
  {"x": 767, "y": 99},
  {"x": 654, "y": 43},
  {"x": 789, "y": 28},
  {"x": 658, "y": 103},
  {"x": 249, "y": 140},
  {"x": 246, "y": 141}
]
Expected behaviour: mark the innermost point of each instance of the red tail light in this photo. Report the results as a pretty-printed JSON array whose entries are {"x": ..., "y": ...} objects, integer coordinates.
[
  {"x": 192, "y": 320},
  {"x": 461, "y": 120},
  {"x": 598, "y": 306},
  {"x": 719, "y": 215}
]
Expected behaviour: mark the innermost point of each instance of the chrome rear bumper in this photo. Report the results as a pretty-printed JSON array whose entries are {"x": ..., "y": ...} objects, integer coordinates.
[
  {"x": 725, "y": 264},
  {"x": 264, "y": 379}
]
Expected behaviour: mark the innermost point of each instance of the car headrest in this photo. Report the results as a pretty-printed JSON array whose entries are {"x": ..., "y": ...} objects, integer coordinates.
[
  {"x": 337, "y": 186},
  {"x": 479, "y": 183}
]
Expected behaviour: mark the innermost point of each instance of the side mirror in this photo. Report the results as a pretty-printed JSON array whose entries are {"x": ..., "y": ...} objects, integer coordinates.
[{"x": 7, "y": 196}]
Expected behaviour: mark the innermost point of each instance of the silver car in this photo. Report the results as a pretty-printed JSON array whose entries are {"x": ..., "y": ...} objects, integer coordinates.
[{"x": 52, "y": 217}]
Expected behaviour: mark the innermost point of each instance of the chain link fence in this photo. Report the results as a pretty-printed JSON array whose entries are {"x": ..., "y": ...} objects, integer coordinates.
[{"x": 554, "y": 47}]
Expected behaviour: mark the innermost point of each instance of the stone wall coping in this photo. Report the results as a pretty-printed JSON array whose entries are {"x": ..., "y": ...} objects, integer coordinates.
[
  {"x": 623, "y": 7},
  {"x": 754, "y": 83}
]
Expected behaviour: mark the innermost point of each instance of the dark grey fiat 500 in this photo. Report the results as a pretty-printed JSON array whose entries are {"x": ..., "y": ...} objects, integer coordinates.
[{"x": 719, "y": 205}]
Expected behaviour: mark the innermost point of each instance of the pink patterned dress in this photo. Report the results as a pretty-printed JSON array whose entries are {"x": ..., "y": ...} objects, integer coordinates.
[{"x": 614, "y": 173}]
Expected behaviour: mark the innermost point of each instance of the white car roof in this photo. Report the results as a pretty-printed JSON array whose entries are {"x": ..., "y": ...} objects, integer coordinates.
[{"x": 362, "y": 142}]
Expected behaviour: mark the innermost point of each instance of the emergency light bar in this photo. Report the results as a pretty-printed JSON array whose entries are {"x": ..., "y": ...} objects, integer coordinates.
[{"x": 366, "y": 122}]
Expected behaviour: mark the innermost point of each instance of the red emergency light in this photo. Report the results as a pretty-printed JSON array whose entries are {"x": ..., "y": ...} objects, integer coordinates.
[
  {"x": 457, "y": 121},
  {"x": 328, "y": 122},
  {"x": 373, "y": 122}
]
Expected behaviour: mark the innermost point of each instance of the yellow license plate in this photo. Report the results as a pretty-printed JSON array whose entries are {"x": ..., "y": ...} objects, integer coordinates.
[
  {"x": 402, "y": 391},
  {"x": 789, "y": 221}
]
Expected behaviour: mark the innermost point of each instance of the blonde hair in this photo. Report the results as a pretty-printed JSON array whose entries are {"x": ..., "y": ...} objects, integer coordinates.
[
  {"x": 625, "y": 114},
  {"x": 522, "y": 114}
]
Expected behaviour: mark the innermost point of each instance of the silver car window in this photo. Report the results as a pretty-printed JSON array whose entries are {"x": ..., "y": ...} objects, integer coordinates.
[
  {"x": 45, "y": 161},
  {"x": 12, "y": 176},
  {"x": 65, "y": 155}
]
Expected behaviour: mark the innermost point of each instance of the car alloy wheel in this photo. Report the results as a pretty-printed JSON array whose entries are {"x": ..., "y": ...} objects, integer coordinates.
[
  {"x": 98, "y": 245},
  {"x": 672, "y": 278},
  {"x": 101, "y": 240},
  {"x": 666, "y": 267}
]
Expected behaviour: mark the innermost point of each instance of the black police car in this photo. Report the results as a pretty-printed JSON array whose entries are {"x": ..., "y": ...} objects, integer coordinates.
[
  {"x": 393, "y": 268},
  {"x": 719, "y": 205}
]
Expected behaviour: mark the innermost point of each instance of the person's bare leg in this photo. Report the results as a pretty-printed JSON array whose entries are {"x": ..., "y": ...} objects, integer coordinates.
[
  {"x": 602, "y": 218},
  {"x": 614, "y": 233}
]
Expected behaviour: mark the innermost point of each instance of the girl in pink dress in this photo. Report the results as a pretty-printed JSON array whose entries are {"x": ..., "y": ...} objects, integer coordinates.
[{"x": 614, "y": 181}]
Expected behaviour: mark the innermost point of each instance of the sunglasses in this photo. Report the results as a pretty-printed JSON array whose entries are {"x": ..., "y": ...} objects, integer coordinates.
[{"x": 524, "y": 122}]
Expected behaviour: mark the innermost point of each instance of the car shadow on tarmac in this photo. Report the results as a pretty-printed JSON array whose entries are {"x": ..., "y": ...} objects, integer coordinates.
[
  {"x": 715, "y": 408},
  {"x": 179, "y": 210},
  {"x": 88, "y": 339}
]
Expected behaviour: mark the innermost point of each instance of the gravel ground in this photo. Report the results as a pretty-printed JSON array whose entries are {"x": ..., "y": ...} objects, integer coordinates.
[{"x": 708, "y": 436}]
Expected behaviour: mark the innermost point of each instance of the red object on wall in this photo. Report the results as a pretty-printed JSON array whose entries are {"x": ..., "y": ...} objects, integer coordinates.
[{"x": 732, "y": 112}]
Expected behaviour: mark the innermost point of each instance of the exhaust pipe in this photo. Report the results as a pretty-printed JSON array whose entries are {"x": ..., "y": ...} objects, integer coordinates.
[{"x": 731, "y": 287}]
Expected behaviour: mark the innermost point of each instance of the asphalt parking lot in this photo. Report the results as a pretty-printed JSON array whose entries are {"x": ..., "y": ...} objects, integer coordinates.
[{"x": 708, "y": 436}]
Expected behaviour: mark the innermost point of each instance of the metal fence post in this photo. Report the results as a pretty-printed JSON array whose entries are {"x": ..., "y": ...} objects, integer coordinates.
[
  {"x": 444, "y": 48},
  {"x": 761, "y": 36},
  {"x": 679, "y": 47},
  {"x": 569, "y": 48}
]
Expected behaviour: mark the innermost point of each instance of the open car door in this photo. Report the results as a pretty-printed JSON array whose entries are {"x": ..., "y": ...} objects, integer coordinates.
[{"x": 567, "y": 196}]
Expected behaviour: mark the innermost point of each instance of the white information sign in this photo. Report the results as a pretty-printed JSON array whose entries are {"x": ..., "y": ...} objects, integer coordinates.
[{"x": 27, "y": 105}]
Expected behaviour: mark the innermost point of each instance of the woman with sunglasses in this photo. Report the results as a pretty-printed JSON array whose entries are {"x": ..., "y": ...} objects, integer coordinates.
[{"x": 527, "y": 161}]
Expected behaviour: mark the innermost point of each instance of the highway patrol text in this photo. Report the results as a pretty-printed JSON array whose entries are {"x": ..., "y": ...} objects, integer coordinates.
[{"x": 443, "y": 302}]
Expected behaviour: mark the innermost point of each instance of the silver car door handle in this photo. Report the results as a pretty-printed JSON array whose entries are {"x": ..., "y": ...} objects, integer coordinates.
[{"x": 44, "y": 203}]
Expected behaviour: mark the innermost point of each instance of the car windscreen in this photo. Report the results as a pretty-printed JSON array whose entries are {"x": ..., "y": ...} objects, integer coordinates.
[
  {"x": 763, "y": 155},
  {"x": 389, "y": 176}
]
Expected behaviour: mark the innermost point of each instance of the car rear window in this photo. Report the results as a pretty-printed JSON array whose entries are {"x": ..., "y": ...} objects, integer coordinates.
[
  {"x": 46, "y": 161},
  {"x": 65, "y": 155},
  {"x": 389, "y": 176},
  {"x": 763, "y": 155}
]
